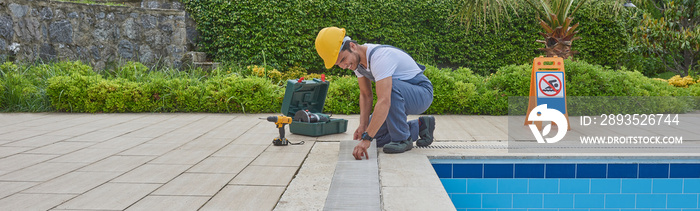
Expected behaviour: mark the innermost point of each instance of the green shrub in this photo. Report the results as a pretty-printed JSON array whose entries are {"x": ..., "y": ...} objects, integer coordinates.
[
  {"x": 237, "y": 94},
  {"x": 343, "y": 96}
]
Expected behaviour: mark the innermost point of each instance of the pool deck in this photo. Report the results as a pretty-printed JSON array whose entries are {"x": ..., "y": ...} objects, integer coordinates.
[{"x": 191, "y": 161}]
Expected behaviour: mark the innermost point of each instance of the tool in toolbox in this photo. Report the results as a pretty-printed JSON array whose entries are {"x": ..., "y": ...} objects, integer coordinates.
[
  {"x": 308, "y": 117},
  {"x": 281, "y": 121},
  {"x": 304, "y": 100}
]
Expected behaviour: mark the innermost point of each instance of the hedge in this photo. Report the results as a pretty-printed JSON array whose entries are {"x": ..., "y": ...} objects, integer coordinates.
[
  {"x": 282, "y": 33},
  {"x": 74, "y": 87}
]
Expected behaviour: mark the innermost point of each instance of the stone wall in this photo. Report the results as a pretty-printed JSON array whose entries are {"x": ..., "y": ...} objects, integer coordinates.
[{"x": 40, "y": 30}]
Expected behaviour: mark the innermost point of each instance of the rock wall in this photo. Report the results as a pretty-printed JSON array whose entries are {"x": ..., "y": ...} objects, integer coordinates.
[{"x": 40, "y": 30}]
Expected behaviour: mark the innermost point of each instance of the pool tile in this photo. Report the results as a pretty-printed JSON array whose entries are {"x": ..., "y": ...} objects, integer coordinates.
[
  {"x": 589, "y": 200},
  {"x": 529, "y": 170},
  {"x": 685, "y": 170},
  {"x": 620, "y": 201},
  {"x": 653, "y": 170},
  {"x": 454, "y": 185},
  {"x": 496, "y": 200},
  {"x": 482, "y": 185},
  {"x": 543, "y": 186},
  {"x": 574, "y": 185},
  {"x": 467, "y": 171},
  {"x": 443, "y": 170},
  {"x": 651, "y": 200},
  {"x": 636, "y": 186},
  {"x": 622, "y": 170},
  {"x": 512, "y": 185},
  {"x": 605, "y": 185},
  {"x": 508, "y": 209},
  {"x": 591, "y": 170},
  {"x": 667, "y": 186},
  {"x": 498, "y": 170},
  {"x": 462, "y": 201},
  {"x": 691, "y": 185},
  {"x": 558, "y": 200},
  {"x": 560, "y": 170},
  {"x": 527, "y": 201},
  {"x": 682, "y": 201}
]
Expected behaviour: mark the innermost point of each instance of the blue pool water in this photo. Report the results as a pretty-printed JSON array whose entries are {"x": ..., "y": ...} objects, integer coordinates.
[{"x": 576, "y": 185}]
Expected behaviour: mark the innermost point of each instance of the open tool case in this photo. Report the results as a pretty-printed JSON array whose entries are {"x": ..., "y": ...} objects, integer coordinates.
[{"x": 309, "y": 95}]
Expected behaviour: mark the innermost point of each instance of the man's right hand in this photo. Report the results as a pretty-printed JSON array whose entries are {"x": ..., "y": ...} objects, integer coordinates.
[{"x": 358, "y": 133}]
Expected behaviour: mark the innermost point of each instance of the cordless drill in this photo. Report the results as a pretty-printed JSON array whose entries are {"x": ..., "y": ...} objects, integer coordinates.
[{"x": 280, "y": 121}]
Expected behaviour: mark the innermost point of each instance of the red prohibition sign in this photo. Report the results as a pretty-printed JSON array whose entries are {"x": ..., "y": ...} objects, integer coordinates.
[{"x": 556, "y": 91}]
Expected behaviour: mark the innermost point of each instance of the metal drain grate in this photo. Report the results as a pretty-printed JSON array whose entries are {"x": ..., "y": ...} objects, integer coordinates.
[
  {"x": 455, "y": 146},
  {"x": 496, "y": 146}
]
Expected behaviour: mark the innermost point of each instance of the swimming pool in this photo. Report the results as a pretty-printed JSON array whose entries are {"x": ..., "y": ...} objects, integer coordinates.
[{"x": 571, "y": 184}]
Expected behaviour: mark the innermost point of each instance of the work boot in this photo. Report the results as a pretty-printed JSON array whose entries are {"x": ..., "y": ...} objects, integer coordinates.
[
  {"x": 426, "y": 126},
  {"x": 398, "y": 146}
]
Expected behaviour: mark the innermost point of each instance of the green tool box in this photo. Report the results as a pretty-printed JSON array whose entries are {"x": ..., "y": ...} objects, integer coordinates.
[{"x": 309, "y": 95}]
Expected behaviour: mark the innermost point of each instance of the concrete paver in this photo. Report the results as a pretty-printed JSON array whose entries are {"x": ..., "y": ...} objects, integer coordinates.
[
  {"x": 152, "y": 173},
  {"x": 265, "y": 175},
  {"x": 194, "y": 184},
  {"x": 170, "y": 203},
  {"x": 234, "y": 197},
  {"x": 221, "y": 165},
  {"x": 121, "y": 196},
  {"x": 73, "y": 183},
  {"x": 33, "y": 201}
]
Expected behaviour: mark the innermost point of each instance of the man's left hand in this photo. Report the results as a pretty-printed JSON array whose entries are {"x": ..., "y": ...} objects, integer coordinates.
[{"x": 361, "y": 150}]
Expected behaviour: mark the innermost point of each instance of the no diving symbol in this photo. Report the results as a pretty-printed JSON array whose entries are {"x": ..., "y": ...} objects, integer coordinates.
[{"x": 550, "y": 85}]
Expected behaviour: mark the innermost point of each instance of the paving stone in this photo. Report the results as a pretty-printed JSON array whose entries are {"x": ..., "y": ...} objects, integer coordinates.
[
  {"x": 120, "y": 143},
  {"x": 234, "y": 197},
  {"x": 279, "y": 159},
  {"x": 221, "y": 165},
  {"x": 176, "y": 138},
  {"x": 60, "y": 148},
  {"x": 86, "y": 155},
  {"x": 9, "y": 188},
  {"x": 96, "y": 136},
  {"x": 170, "y": 203},
  {"x": 41, "y": 172},
  {"x": 33, "y": 201},
  {"x": 265, "y": 175},
  {"x": 309, "y": 189},
  {"x": 256, "y": 138},
  {"x": 410, "y": 198},
  {"x": 240, "y": 150},
  {"x": 35, "y": 140},
  {"x": 73, "y": 183},
  {"x": 152, "y": 173},
  {"x": 118, "y": 163},
  {"x": 206, "y": 144},
  {"x": 194, "y": 184},
  {"x": 110, "y": 196},
  {"x": 8, "y": 151},
  {"x": 20, "y": 161},
  {"x": 181, "y": 156},
  {"x": 150, "y": 149}
]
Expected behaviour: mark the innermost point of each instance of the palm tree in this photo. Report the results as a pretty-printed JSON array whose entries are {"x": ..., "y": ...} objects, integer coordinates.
[
  {"x": 557, "y": 25},
  {"x": 555, "y": 17}
]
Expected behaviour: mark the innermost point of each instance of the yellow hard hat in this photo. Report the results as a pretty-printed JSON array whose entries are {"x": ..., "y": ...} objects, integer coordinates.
[{"x": 328, "y": 43}]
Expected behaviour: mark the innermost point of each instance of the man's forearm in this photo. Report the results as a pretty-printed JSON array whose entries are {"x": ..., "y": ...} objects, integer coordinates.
[{"x": 365, "y": 109}]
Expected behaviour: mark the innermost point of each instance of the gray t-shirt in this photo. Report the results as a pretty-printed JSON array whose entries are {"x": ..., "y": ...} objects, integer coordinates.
[{"x": 392, "y": 62}]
